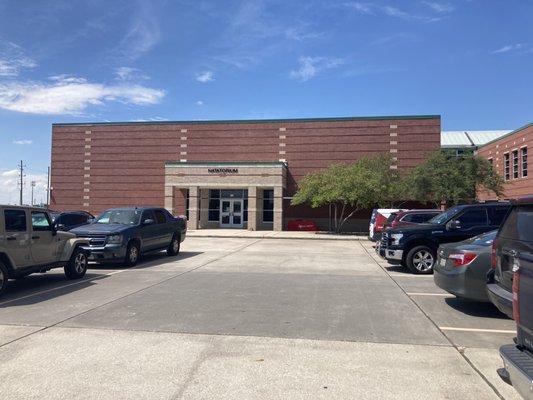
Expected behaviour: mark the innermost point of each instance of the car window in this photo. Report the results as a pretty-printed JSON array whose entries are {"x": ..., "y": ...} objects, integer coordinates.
[
  {"x": 119, "y": 216},
  {"x": 423, "y": 217},
  {"x": 147, "y": 214},
  {"x": 519, "y": 224},
  {"x": 391, "y": 218},
  {"x": 472, "y": 218},
  {"x": 160, "y": 217},
  {"x": 407, "y": 218},
  {"x": 67, "y": 220},
  {"x": 497, "y": 215},
  {"x": 15, "y": 220},
  {"x": 444, "y": 216},
  {"x": 80, "y": 219},
  {"x": 40, "y": 221}
]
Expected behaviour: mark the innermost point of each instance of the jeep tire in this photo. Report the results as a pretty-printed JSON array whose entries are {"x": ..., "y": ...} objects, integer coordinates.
[
  {"x": 173, "y": 248},
  {"x": 421, "y": 259},
  {"x": 77, "y": 265},
  {"x": 132, "y": 254},
  {"x": 3, "y": 277}
]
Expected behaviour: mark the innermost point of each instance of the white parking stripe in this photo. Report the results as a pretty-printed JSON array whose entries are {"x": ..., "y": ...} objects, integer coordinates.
[
  {"x": 449, "y": 328},
  {"x": 410, "y": 276},
  {"x": 431, "y": 294}
]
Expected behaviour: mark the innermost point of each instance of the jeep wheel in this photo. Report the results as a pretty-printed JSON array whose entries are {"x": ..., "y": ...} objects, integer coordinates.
[
  {"x": 420, "y": 260},
  {"x": 3, "y": 278},
  {"x": 77, "y": 265},
  {"x": 132, "y": 254},
  {"x": 174, "y": 246}
]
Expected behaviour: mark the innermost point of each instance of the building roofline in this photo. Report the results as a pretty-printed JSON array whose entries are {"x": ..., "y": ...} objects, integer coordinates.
[
  {"x": 507, "y": 135},
  {"x": 252, "y": 121},
  {"x": 225, "y": 163}
]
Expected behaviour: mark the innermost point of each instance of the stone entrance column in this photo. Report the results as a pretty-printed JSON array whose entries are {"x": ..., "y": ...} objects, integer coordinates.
[
  {"x": 193, "y": 207},
  {"x": 252, "y": 208},
  {"x": 278, "y": 208}
]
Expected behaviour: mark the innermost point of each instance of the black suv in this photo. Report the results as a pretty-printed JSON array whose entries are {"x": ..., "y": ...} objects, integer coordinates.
[
  {"x": 513, "y": 256},
  {"x": 416, "y": 247}
]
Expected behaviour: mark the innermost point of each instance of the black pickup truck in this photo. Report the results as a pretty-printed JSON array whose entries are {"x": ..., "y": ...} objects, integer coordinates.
[
  {"x": 513, "y": 254},
  {"x": 416, "y": 247}
]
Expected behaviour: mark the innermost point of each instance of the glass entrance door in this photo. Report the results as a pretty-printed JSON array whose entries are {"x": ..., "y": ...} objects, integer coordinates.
[{"x": 231, "y": 213}]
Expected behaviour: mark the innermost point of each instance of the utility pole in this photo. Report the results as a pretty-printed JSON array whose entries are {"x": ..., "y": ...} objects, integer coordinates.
[
  {"x": 21, "y": 183},
  {"x": 48, "y": 189},
  {"x": 32, "y": 186}
]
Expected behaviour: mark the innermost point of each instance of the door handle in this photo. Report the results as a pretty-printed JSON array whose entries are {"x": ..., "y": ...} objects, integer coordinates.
[
  {"x": 35, "y": 237},
  {"x": 11, "y": 238}
]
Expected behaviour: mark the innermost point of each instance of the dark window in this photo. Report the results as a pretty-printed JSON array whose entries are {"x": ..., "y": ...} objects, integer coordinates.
[
  {"x": 519, "y": 224},
  {"x": 147, "y": 214},
  {"x": 473, "y": 218},
  {"x": 232, "y": 193},
  {"x": 80, "y": 219},
  {"x": 497, "y": 215},
  {"x": 160, "y": 217},
  {"x": 421, "y": 218},
  {"x": 15, "y": 220},
  {"x": 187, "y": 205},
  {"x": 245, "y": 210},
  {"x": 408, "y": 218},
  {"x": 515, "y": 164},
  {"x": 524, "y": 162},
  {"x": 40, "y": 221},
  {"x": 506, "y": 167},
  {"x": 268, "y": 205},
  {"x": 214, "y": 205}
]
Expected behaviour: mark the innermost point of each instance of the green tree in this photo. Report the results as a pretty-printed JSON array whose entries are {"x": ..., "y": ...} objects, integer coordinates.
[
  {"x": 445, "y": 177},
  {"x": 349, "y": 188}
]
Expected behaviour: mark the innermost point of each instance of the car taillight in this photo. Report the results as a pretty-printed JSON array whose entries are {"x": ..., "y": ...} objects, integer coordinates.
[
  {"x": 493, "y": 258},
  {"x": 516, "y": 299},
  {"x": 460, "y": 259}
]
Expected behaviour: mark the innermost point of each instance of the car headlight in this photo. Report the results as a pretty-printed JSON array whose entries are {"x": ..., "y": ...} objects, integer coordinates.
[
  {"x": 114, "y": 239},
  {"x": 396, "y": 237}
]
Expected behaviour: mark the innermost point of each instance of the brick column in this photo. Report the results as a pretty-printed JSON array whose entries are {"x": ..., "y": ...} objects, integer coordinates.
[
  {"x": 252, "y": 208},
  {"x": 193, "y": 207},
  {"x": 204, "y": 208},
  {"x": 278, "y": 208}
]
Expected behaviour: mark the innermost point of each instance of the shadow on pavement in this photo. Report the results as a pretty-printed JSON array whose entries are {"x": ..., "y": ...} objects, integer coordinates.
[
  {"x": 475, "y": 308},
  {"x": 147, "y": 261}
]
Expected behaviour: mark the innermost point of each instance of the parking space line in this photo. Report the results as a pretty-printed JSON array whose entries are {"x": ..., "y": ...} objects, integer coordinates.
[
  {"x": 408, "y": 275},
  {"x": 450, "y": 328},
  {"x": 431, "y": 294}
]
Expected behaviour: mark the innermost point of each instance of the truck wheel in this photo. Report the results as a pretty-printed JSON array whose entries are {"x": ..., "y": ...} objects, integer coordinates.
[
  {"x": 174, "y": 246},
  {"x": 3, "y": 278},
  {"x": 420, "y": 260},
  {"x": 132, "y": 254},
  {"x": 77, "y": 265}
]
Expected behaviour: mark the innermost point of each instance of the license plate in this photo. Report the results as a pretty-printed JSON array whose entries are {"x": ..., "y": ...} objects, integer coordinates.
[{"x": 442, "y": 262}]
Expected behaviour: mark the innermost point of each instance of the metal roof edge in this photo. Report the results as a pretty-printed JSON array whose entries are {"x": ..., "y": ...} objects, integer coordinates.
[
  {"x": 507, "y": 135},
  {"x": 251, "y": 121}
]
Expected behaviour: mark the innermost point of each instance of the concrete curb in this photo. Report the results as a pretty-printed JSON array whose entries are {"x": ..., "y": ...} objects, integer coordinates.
[{"x": 277, "y": 236}]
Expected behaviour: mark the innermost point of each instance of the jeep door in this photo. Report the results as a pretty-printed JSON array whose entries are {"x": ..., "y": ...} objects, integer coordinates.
[
  {"x": 43, "y": 238},
  {"x": 17, "y": 237}
]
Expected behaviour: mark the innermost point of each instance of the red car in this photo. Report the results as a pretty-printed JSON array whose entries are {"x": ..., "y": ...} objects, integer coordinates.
[{"x": 401, "y": 219}]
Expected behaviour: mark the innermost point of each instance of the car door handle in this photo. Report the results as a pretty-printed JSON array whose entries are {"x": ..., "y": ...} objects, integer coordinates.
[
  {"x": 11, "y": 238},
  {"x": 35, "y": 237}
]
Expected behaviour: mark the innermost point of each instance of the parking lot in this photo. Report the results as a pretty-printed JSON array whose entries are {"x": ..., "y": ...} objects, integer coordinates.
[{"x": 242, "y": 318}]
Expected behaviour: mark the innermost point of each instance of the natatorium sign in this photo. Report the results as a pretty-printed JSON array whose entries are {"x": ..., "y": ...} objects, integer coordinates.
[{"x": 223, "y": 170}]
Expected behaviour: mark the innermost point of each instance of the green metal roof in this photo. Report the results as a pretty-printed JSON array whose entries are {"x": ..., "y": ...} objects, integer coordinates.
[{"x": 252, "y": 121}]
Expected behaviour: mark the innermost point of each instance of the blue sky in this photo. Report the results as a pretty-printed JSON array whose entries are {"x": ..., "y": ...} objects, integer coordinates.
[{"x": 96, "y": 60}]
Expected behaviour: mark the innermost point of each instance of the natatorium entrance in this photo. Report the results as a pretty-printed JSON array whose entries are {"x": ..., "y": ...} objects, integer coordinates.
[{"x": 231, "y": 213}]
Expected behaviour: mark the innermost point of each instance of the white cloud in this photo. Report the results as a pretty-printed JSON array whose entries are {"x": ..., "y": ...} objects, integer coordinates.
[
  {"x": 439, "y": 7},
  {"x": 143, "y": 34},
  {"x": 510, "y": 47},
  {"x": 205, "y": 76},
  {"x": 9, "y": 187},
  {"x": 312, "y": 66},
  {"x": 13, "y": 59},
  {"x": 363, "y": 8},
  {"x": 71, "y": 95},
  {"x": 199, "y": 103},
  {"x": 23, "y": 142}
]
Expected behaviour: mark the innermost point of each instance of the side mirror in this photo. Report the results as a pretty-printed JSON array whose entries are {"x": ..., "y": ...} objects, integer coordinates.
[
  {"x": 60, "y": 227},
  {"x": 148, "y": 221},
  {"x": 454, "y": 224}
]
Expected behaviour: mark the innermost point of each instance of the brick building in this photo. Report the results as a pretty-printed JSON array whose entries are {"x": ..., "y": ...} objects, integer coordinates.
[
  {"x": 232, "y": 174},
  {"x": 509, "y": 156}
]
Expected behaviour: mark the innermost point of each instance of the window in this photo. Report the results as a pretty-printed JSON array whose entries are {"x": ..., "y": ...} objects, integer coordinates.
[
  {"x": 524, "y": 162},
  {"x": 422, "y": 218},
  {"x": 214, "y": 205},
  {"x": 160, "y": 217},
  {"x": 473, "y": 218},
  {"x": 40, "y": 221},
  {"x": 519, "y": 224},
  {"x": 15, "y": 220},
  {"x": 268, "y": 205},
  {"x": 515, "y": 164},
  {"x": 506, "y": 167},
  {"x": 497, "y": 215},
  {"x": 147, "y": 214}
]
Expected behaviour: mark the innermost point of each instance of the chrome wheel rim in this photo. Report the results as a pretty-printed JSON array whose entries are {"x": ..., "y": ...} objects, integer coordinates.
[
  {"x": 134, "y": 254},
  {"x": 176, "y": 245},
  {"x": 423, "y": 260},
  {"x": 80, "y": 263}
]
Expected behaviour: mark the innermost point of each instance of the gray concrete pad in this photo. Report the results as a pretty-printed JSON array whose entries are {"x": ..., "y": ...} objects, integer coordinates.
[
  {"x": 88, "y": 364},
  {"x": 8, "y": 333}
]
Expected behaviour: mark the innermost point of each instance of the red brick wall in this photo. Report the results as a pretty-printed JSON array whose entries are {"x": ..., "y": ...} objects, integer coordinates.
[
  {"x": 127, "y": 160},
  {"x": 514, "y": 188}
]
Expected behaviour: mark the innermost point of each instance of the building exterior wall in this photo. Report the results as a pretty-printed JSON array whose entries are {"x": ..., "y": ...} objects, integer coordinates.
[
  {"x": 98, "y": 166},
  {"x": 496, "y": 150}
]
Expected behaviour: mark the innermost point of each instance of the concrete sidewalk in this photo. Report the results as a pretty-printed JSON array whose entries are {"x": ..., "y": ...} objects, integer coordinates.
[{"x": 243, "y": 233}]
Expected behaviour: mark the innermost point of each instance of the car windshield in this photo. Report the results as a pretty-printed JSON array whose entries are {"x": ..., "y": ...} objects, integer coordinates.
[
  {"x": 485, "y": 239},
  {"x": 444, "y": 216},
  {"x": 123, "y": 217}
]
